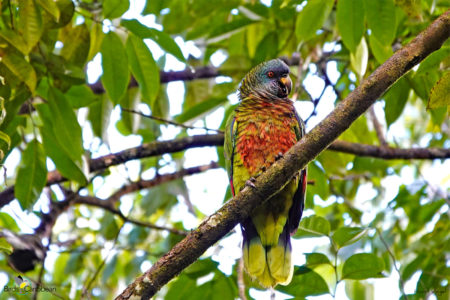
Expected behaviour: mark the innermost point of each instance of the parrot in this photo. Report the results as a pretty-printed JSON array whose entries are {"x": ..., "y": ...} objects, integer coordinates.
[{"x": 262, "y": 127}]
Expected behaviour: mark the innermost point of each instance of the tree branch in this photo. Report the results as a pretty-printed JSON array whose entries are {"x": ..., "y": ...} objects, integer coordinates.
[
  {"x": 189, "y": 74},
  {"x": 268, "y": 183},
  {"x": 147, "y": 150},
  {"x": 162, "y": 147},
  {"x": 378, "y": 127},
  {"x": 388, "y": 152},
  {"x": 159, "y": 179}
]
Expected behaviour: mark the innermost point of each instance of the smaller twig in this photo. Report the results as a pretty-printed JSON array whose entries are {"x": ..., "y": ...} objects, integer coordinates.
[
  {"x": 402, "y": 284},
  {"x": 42, "y": 271},
  {"x": 159, "y": 119},
  {"x": 316, "y": 103},
  {"x": 378, "y": 128},
  {"x": 100, "y": 267},
  {"x": 97, "y": 202},
  {"x": 240, "y": 279},
  {"x": 11, "y": 14},
  {"x": 145, "y": 184},
  {"x": 350, "y": 177}
]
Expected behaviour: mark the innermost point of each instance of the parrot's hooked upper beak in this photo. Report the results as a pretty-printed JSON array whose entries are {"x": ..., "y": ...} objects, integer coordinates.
[{"x": 286, "y": 84}]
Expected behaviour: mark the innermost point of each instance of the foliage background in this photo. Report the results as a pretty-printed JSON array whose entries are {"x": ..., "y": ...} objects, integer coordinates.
[{"x": 365, "y": 217}]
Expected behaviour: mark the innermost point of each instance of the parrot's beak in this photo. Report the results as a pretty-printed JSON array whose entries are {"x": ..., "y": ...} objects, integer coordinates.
[{"x": 287, "y": 83}]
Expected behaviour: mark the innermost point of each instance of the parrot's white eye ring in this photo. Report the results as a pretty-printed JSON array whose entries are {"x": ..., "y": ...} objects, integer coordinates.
[{"x": 270, "y": 74}]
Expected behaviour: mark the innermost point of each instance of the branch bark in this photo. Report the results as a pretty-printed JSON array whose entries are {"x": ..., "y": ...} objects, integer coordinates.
[{"x": 269, "y": 182}]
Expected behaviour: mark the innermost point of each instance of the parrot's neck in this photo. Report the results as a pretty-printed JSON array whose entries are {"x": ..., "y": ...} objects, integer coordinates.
[{"x": 265, "y": 108}]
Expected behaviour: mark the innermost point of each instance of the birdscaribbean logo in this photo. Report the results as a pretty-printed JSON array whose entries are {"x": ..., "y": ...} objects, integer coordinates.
[{"x": 23, "y": 286}]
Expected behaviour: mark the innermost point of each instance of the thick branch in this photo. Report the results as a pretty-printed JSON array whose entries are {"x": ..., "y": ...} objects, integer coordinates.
[{"x": 269, "y": 182}]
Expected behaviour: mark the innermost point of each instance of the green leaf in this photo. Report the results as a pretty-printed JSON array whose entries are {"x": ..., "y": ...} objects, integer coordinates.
[
  {"x": 65, "y": 165},
  {"x": 199, "y": 109},
  {"x": 30, "y": 22},
  {"x": 59, "y": 274},
  {"x": 345, "y": 236},
  {"x": 395, "y": 99},
  {"x": 225, "y": 31},
  {"x": 432, "y": 62},
  {"x": 14, "y": 40},
  {"x": 128, "y": 119},
  {"x": 381, "y": 20},
  {"x": 80, "y": 96},
  {"x": 154, "y": 7},
  {"x": 75, "y": 52},
  {"x": 161, "y": 38},
  {"x": 5, "y": 247},
  {"x": 181, "y": 288},
  {"x": 116, "y": 75},
  {"x": 19, "y": 67},
  {"x": 200, "y": 268},
  {"x": 6, "y": 138},
  {"x": 66, "y": 10},
  {"x": 440, "y": 93},
  {"x": 99, "y": 116},
  {"x": 412, "y": 267},
  {"x": 74, "y": 263},
  {"x": 109, "y": 228},
  {"x": 68, "y": 167},
  {"x": 315, "y": 259},
  {"x": 32, "y": 175},
  {"x": 320, "y": 186},
  {"x": 313, "y": 226},
  {"x": 51, "y": 7},
  {"x": 350, "y": 22},
  {"x": 65, "y": 124},
  {"x": 110, "y": 269},
  {"x": 115, "y": 8},
  {"x": 363, "y": 266},
  {"x": 97, "y": 35},
  {"x": 311, "y": 18},
  {"x": 267, "y": 48},
  {"x": 143, "y": 67},
  {"x": 305, "y": 282},
  {"x": 359, "y": 290},
  {"x": 360, "y": 58},
  {"x": 380, "y": 51},
  {"x": 7, "y": 221}
]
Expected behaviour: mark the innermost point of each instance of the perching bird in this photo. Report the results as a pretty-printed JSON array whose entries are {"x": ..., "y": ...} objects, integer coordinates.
[{"x": 260, "y": 130}]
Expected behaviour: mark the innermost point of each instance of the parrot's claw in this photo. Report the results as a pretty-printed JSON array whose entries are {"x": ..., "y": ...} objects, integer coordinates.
[
  {"x": 278, "y": 156},
  {"x": 250, "y": 182},
  {"x": 263, "y": 169}
]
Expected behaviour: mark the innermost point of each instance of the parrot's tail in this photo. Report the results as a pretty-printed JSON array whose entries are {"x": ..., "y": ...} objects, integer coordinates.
[{"x": 269, "y": 264}]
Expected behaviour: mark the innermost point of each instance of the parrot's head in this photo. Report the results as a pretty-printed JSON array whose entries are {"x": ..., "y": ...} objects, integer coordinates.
[{"x": 269, "y": 79}]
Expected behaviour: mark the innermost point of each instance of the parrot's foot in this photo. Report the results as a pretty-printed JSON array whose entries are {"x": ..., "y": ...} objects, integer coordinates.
[
  {"x": 250, "y": 182},
  {"x": 279, "y": 156},
  {"x": 263, "y": 168}
]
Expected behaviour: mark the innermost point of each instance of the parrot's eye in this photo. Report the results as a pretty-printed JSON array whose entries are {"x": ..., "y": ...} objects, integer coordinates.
[{"x": 270, "y": 74}]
